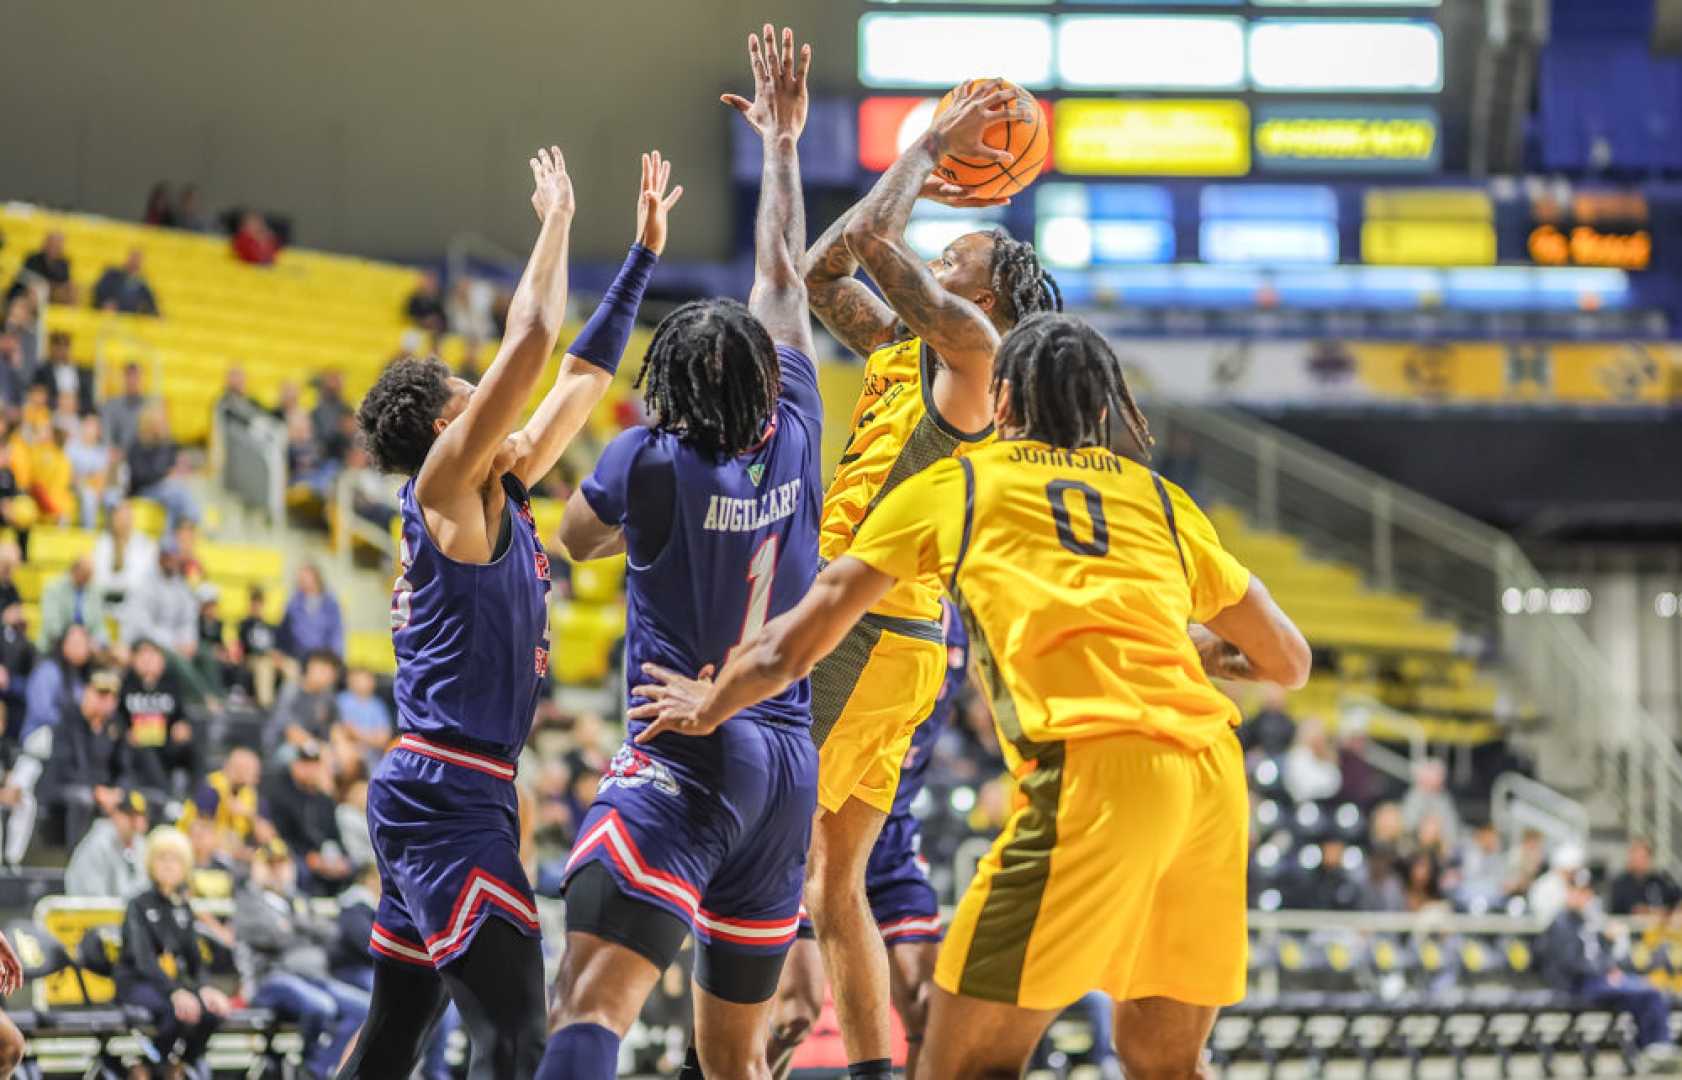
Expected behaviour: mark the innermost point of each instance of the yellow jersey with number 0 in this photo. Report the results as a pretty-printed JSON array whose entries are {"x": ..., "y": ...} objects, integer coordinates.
[
  {"x": 897, "y": 432},
  {"x": 1077, "y": 572}
]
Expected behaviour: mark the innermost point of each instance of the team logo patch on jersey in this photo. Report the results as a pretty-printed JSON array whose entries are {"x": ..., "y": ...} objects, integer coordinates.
[
  {"x": 631, "y": 768},
  {"x": 542, "y": 559},
  {"x": 756, "y": 472},
  {"x": 542, "y": 661}
]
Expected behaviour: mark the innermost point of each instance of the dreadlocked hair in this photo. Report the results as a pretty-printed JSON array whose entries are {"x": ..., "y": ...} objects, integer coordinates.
[
  {"x": 1020, "y": 283},
  {"x": 1067, "y": 386},
  {"x": 396, "y": 415},
  {"x": 711, "y": 376}
]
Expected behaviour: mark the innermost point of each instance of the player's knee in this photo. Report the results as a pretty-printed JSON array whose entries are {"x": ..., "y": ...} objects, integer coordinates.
[{"x": 1148, "y": 1057}]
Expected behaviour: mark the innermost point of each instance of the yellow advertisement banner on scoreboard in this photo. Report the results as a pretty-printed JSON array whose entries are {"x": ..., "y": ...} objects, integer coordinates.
[
  {"x": 1428, "y": 243},
  {"x": 1151, "y": 138},
  {"x": 1540, "y": 373}
]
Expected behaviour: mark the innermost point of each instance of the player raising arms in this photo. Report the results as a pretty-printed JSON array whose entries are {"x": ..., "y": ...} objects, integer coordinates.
[
  {"x": 930, "y": 359},
  {"x": 717, "y": 507},
  {"x": 1077, "y": 572},
  {"x": 469, "y": 622}
]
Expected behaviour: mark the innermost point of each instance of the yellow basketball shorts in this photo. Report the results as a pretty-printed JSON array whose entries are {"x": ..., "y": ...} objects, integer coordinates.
[
  {"x": 1124, "y": 872},
  {"x": 868, "y": 696}
]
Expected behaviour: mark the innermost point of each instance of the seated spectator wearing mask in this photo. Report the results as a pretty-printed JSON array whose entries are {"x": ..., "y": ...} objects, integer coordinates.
[
  {"x": 161, "y": 969},
  {"x": 1576, "y": 959},
  {"x": 1640, "y": 889},
  {"x": 283, "y": 961},
  {"x": 109, "y": 860}
]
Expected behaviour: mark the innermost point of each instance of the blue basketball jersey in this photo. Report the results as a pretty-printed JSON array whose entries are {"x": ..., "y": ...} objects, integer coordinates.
[
  {"x": 472, "y": 640},
  {"x": 915, "y": 768},
  {"x": 740, "y": 537}
]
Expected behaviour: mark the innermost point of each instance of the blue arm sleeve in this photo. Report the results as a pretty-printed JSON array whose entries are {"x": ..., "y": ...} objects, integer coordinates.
[{"x": 602, "y": 341}]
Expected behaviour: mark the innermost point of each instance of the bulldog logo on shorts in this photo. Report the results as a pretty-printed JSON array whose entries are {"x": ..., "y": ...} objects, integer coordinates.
[{"x": 631, "y": 768}]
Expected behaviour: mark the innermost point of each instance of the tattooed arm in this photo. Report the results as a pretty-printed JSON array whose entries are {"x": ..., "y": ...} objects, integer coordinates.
[
  {"x": 845, "y": 305},
  {"x": 874, "y": 232}
]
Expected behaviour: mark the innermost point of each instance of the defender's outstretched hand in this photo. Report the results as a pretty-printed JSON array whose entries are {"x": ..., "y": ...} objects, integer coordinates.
[
  {"x": 779, "y": 84},
  {"x": 551, "y": 186},
  {"x": 673, "y": 703},
  {"x": 654, "y": 202}
]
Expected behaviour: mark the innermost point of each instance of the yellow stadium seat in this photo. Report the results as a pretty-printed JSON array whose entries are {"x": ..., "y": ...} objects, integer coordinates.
[
  {"x": 371, "y": 649},
  {"x": 599, "y": 581}
]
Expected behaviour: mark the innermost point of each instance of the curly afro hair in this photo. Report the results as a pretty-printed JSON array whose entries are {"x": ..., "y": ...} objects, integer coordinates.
[{"x": 397, "y": 414}]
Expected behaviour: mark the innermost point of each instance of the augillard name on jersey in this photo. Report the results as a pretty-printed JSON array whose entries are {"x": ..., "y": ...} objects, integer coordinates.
[{"x": 725, "y": 514}]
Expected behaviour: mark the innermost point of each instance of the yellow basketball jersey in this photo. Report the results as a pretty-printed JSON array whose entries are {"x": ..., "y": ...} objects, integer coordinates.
[
  {"x": 896, "y": 433},
  {"x": 1077, "y": 572}
]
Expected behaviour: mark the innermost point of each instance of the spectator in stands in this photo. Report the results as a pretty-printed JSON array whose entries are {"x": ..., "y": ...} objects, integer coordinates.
[
  {"x": 305, "y": 815},
  {"x": 1329, "y": 887},
  {"x": 39, "y": 463},
  {"x": 426, "y": 304},
  {"x": 157, "y": 470},
  {"x": 162, "y": 744},
  {"x": 364, "y": 713},
  {"x": 468, "y": 311},
  {"x": 214, "y": 873},
  {"x": 1271, "y": 731},
  {"x": 1479, "y": 876},
  {"x": 1576, "y": 959},
  {"x": 284, "y": 962},
  {"x": 234, "y": 395},
  {"x": 259, "y": 647},
  {"x": 163, "y": 609},
  {"x": 160, "y": 209},
  {"x": 328, "y": 417},
  {"x": 182, "y": 541},
  {"x": 189, "y": 210},
  {"x": 352, "y": 819},
  {"x": 21, "y": 325},
  {"x": 124, "y": 558},
  {"x": 124, "y": 288},
  {"x": 161, "y": 969},
  {"x": 255, "y": 242},
  {"x": 122, "y": 411},
  {"x": 1526, "y": 862},
  {"x": 312, "y": 622},
  {"x": 47, "y": 708},
  {"x": 55, "y": 683},
  {"x": 84, "y": 756},
  {"x": 109, "y": 860},
  {"x": 17, "y": 660},
  {"x": 228, "y": 799},
  {"x": 1548, "y": 896},
  {"x": 62, "y": 378},
  {"x": 91, "y": 462},
  {"x": 10, "y": 556},
  {"x": 51, "y": 266},
  {"x": 1310, "y": 771},
  {"x": 14, "y": 372},
  {"x": 215, "y": 660},
  {"x": 306, "y": 711},
  {"x": 1422, "y": 883},
  {"x": 1429, "y": 797},
  {"x": 373, "y": 495},
  {"x": 1641, "y": 889}
]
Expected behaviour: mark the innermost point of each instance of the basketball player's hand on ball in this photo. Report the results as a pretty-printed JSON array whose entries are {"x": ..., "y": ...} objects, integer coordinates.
[
  {"x": 938, "y": 190},
  {"x": 653, "y": 202},
  {"x": 672, "y": 702},
  {"x": 551, "y": 186},
  {"x": 779, "y": 84},
  {"x": 959, "y": 130}
]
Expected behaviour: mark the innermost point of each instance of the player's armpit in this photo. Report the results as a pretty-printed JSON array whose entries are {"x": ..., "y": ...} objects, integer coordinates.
[
  {"x": 586, "y": 536},
  {"x": 1257, "y": 627}
]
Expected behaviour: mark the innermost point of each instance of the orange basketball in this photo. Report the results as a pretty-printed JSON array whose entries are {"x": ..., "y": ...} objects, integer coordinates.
[{"x": 1027, "y": 139}]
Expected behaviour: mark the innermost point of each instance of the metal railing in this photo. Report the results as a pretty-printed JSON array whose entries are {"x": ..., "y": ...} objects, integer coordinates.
[{"x": 1598, "y": 741}]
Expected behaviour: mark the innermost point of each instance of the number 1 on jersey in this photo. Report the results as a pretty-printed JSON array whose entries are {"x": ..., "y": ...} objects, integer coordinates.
[{"x": 762, "y": 570}]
